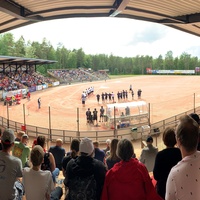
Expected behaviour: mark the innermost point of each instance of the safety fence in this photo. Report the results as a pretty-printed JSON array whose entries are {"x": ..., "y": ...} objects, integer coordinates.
[{"x": 133, "y": 133}]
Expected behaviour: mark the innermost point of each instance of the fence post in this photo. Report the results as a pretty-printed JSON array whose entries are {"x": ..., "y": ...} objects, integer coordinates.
[
  {"x": 149, "y": 117},
  {"x": 24, "y": 115},
  {"x": 78, "y": 133},
  {"x": 8, "y": 125},
  {"x": 194, "y": 104},
  {"x": 63, "y": 136},
  {"x": 50, "y": 134},
  {"x": 96, "y": 135},
  {"x": 115, "y": 131}
]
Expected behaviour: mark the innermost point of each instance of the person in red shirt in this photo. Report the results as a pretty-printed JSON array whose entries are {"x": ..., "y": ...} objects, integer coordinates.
[{"x": 128, "y": 179}]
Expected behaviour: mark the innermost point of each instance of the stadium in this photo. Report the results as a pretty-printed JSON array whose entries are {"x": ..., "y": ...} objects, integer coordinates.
[{"x": 61, "y": 114}]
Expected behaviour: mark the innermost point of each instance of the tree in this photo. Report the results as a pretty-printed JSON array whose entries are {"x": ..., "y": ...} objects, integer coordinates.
[
  {"x": 72, "y": 60},
  {"x": 80, "y": 58},
  {"x": 169, "y": 61},
  {"x": 20, "y": 47},
  {"x": 29, "y": 51},
  {"x": 158, "y": 63},
  {"x": 7, "y": 44}
]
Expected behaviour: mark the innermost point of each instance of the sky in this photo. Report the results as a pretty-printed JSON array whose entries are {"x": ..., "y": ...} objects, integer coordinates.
[{"x": 116, "y": 36}]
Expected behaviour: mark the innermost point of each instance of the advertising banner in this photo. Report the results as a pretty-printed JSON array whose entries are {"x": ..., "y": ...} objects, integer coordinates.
[
  {"x": 56, "y": 83},
  {"x": 39, "y": 87},
  {"x": 32, "y": 89}
]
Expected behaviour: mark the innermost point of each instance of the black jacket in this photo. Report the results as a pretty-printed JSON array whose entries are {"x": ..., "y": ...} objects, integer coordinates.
[{"x": 86, "y": 166}]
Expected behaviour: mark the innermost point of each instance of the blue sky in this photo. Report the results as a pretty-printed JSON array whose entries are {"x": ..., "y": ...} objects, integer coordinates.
[{"x": 120, "y": 37}]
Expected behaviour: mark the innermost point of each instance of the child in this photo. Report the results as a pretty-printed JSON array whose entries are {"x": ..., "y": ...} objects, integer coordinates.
[{"x": 38, "y": 183}]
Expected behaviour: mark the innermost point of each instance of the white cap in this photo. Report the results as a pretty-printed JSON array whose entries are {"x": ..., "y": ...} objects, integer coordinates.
[
  {"x": 86, "y": 146},
  {"x": 108, "y": 141}
]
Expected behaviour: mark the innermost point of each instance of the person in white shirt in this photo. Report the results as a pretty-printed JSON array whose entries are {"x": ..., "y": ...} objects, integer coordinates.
[
  {"x": 10, "y": 168},
  {"x": 148, "y": 154},
  {"x": 38, "y": 184},
  {"x": 183, "y": 182}
]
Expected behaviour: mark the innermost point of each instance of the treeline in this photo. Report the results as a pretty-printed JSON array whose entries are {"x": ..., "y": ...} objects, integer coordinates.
[{"x": 77, "y": 58}]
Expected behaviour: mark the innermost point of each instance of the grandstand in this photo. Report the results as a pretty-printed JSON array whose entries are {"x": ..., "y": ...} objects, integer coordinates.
[{"x": 69, "y": 76}]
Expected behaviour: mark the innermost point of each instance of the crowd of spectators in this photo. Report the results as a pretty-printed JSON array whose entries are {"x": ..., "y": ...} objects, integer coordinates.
[
  {"x": 10, "y": 81},
  {"x": 14, "y": 80},
  {"x": 78, "y": 75}
]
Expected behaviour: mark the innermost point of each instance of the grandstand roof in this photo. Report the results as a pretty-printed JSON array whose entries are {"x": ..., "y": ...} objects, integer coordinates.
[
  {"x": 183, "y": 15},
  {"x": 23, "y": 61}
]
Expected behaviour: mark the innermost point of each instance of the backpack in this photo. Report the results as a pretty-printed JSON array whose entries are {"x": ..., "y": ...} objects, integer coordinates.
[
  {"x": 46, "y": 165},
  {"x": 83, "y": 188}
]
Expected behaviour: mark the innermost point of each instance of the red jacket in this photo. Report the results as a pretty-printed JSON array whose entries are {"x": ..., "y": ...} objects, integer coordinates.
[{"x": 129, "y": 181}]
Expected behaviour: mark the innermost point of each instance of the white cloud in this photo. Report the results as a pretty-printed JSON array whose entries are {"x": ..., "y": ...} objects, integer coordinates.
[{"x": 121, "y": 37}]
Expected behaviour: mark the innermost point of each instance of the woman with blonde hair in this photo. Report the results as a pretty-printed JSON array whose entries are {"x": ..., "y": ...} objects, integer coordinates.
[{"x": 112, "y": 158}]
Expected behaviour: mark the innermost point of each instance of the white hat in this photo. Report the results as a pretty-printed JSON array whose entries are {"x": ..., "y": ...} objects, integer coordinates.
[
  {"x": 8, "y": 136},
  {"x": 108, "y": 141},
  {"x": 86, "y": 146}
]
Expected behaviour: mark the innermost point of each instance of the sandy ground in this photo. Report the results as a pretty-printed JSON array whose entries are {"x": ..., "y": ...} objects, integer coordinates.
[{"x": 167, "y": 96}]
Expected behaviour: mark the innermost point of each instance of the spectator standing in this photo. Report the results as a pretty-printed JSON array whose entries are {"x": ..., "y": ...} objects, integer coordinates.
[
  {"x": 98, "y": 153},
  {"x": 58, "y": 152},
  {"x": 21, "y": 150},
  {"x": 39, "y": 103},
  {"x": 49, "y": 161},
  {"x": 19, "y": 136},
  {"x": 148, "y": 154},
  {"x": 183, "y": 182},
  {"x": 11, "y": 167},
  {"x": 73, "y": 155},
  {"x": 112, "y": 158},
  {"x": 85, "y": 175},
  {"x": 165, "y": 160},
  {"x": 107, "y": 149},
  {"x": 128, "y": 179}
]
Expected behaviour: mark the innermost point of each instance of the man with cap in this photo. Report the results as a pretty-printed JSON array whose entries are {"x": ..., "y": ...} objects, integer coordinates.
[
  {"x": 87, "y": 170},
  {"x": 10, "y": 167},
  {"x": 148, "y": 154},
  {"x": 21, "y": 150}
]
